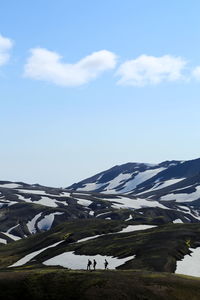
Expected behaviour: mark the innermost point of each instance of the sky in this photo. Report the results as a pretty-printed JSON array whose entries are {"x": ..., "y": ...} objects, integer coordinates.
[{"x": 86, "y": 85}]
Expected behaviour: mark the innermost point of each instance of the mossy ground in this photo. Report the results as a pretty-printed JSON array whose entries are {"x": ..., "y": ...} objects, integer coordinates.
[{"x": 60, "y": 284}]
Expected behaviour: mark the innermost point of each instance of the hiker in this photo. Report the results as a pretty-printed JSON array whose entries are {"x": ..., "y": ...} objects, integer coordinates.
[
  {"x": 106, "y": 264},
  {"x": 89, "y": 265},
  {"x": 94, "y": 264}
]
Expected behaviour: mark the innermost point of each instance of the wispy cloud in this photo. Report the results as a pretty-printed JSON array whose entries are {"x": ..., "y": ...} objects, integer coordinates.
[
  {"x": 5, "y": 46},
  {"x": 48, "y": 66},
  {"x": 196, "y": 73},
  {"x": 151, "y": 70}
]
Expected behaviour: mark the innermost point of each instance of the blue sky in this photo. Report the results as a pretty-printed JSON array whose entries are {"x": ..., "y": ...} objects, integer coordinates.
[{"x": 57, "y": 130}]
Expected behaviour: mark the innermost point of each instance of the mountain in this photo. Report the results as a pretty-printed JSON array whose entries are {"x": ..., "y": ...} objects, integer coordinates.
[
  {"x": 29, "y": 209},
  {"x": 42, "y": 227},
  {"x": 167, "y": 181},
  {"x": 142, "y": 218}
]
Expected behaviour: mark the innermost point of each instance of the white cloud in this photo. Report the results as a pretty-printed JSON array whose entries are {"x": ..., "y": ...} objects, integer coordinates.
[
  {"x": 196, "y": 73},
  {"x": 47, "y": 65},
  {"x": 152, "y": 70},
  {"x": 5, "y": 45}
]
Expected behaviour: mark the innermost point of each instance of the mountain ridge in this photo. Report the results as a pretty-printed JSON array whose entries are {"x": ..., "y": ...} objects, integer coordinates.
[{"x": 140, "y": 178}]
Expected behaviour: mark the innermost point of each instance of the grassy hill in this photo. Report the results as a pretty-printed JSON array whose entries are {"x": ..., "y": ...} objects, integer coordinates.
[
  {"x": 156, "y": 249},
  {"x": 54, "y": 283}
]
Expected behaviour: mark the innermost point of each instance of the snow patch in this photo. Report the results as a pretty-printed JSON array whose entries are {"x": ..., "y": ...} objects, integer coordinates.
[
  {"x": 31, "y": 223},
  {"x": 84, "y": 202},
  {"x": 20, "y": 197},
  {"x": 89, "y": 238},
  {"x": 127, "y": 229},
  {"x": 138, "y": 179},
  {"x": 13, "y": 237},
  {"x": 75, "y": 262},
  {"x": 190, "y": 264},
  {"x": 10, "y": 185},
  {"x": 29, "y": 256},
  {"x": 129, "y": 218},
  {"x": 9, "y": 230},
  {"x": 2, "y": 241},
  {"x": 47, "y": 202},
  {"x": 124, "y": 202},
  {"x": 131, "y": 228},
  {"x": 161, "y": 185},
  {"x": 108, "y": 212},
  {"x": 47, "y": 221},
  {"x": 177, "y": 221},
  {"x": 117, "y": 181},
  {"x": 183, "y": 197},
  {"x": 88, "y": 187}
]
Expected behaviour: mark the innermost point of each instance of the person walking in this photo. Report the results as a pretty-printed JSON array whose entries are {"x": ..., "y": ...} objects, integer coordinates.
[
  {"x": 94, "y": 264},
  {"x": 89, "y": 265},
  {"x": 106, "y": 264}
]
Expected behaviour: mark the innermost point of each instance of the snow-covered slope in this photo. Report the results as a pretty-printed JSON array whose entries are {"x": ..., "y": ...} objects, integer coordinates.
[
  {"x": 169, "y": 180},
  {"x": 126, "y": 178},
  {"x": 28, "y": 209}
]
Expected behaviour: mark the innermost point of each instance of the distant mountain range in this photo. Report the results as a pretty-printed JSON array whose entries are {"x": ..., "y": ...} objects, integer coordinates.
[
  {"x": 167, "y": 181},
  {"x": 148, "y": 194}
]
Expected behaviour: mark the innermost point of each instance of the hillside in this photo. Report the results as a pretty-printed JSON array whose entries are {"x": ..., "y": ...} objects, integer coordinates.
[
  {"x": 124, "y": 244},
  {"x": 56, "y": 284}
]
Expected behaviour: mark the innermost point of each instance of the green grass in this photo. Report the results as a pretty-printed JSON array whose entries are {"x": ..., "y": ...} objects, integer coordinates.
[{"x": 53, "y": 283}]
